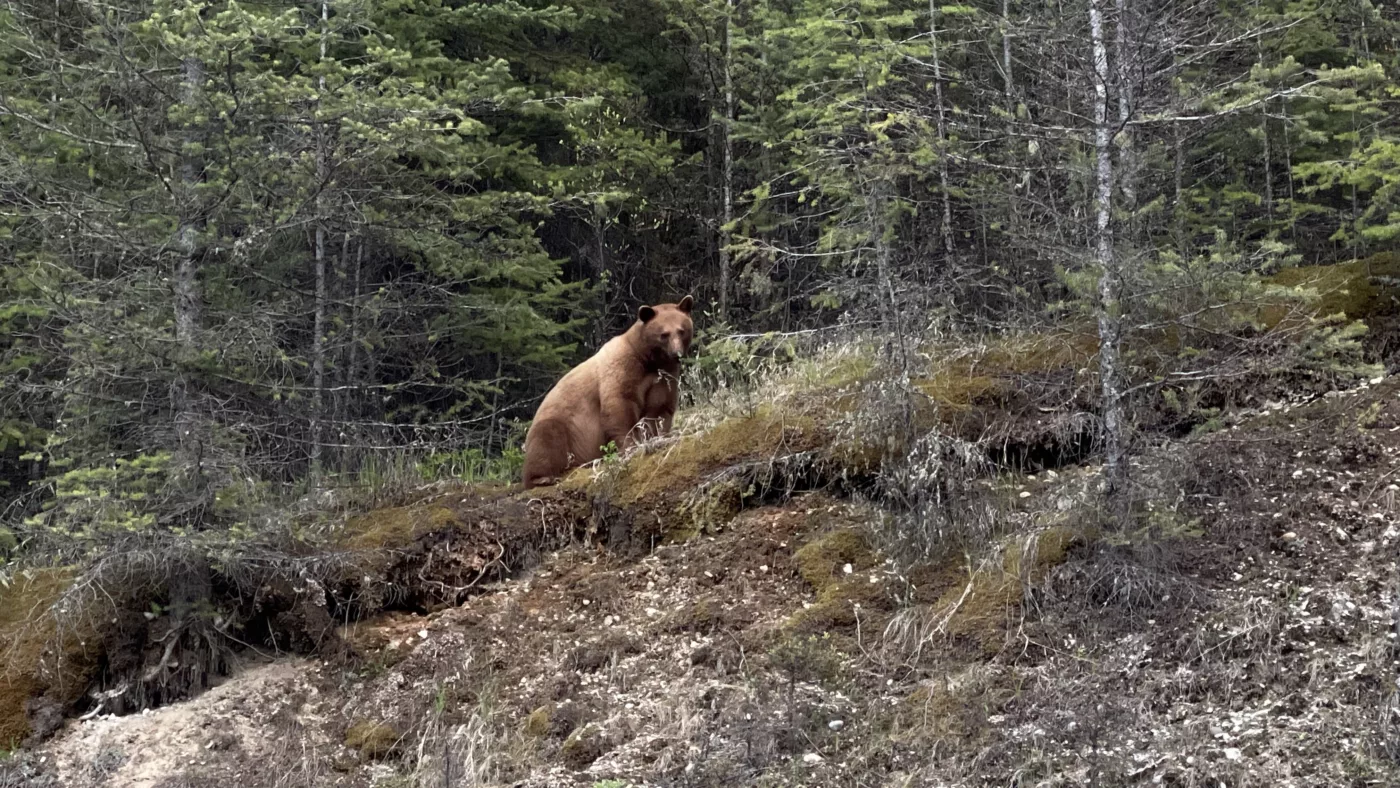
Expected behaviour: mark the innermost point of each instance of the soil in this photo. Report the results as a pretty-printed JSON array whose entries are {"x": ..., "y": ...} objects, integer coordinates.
[{"x": 1247, "y": 639}]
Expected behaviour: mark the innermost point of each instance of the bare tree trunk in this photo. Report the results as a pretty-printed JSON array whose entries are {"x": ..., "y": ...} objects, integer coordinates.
[
  {"x": 318, "y": 339},
  {"x": 725, "y": 263},
  {"x": 1110, "y": 305},
  {"x": 1178, "y": 189},
  {"x": 946, "y": 231},
  {"x": 1006, "y": 54},
  {"x": 1127, "y": 158},
  {"x": 188, "y": 435}
]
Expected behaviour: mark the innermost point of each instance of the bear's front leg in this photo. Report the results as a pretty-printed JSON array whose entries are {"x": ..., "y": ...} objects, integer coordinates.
[{"x": 619, "y": 421}]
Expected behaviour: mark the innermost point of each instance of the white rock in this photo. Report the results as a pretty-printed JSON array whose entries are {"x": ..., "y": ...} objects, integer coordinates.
[
  {"x": 812, "y": 758},
  {"x": 1290, "y": 536},
  {"x": 1233, "y": 754},
  {"x": 836, "y": 725},
  {"x": 423, "y": 634},
  {"x": 1025, "y": 493},
  {"x": 848, "y": 569}
]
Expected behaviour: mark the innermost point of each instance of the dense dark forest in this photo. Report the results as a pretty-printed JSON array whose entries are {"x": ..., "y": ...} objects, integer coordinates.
[{"x": 253, "y": 247}]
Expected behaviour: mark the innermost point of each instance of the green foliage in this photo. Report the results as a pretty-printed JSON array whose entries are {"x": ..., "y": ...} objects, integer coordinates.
[{"x": 473, "y": 465}]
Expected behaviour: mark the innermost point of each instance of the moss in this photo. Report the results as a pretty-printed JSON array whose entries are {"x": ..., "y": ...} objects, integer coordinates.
[
  {"x": 583, "y": 747},
  {"x": 821, "y": 561},
  {"x": 372, "y": 739},
  {"x": 1344, "y": 288},
  {"x": 538, "y": 724},
  {"x": 677, "y": 466},
  {"x": 395, "y": 527},
  {"x": 29, "y": 630},
  {"x": 976, "y": 610},
  {"x": 954, "y": 710}
]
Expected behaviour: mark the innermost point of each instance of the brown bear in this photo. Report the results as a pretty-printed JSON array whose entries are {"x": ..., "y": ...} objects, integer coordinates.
[{"x": 625, "y": 392}]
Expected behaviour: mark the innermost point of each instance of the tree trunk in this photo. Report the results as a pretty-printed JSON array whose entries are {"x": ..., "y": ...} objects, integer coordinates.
[
  {"x": 945, "y": 231},
  {"x": 188, "y": 435},
  {"x": 1110, "y": 285},
  {"x": 318, "y": 339},
  {"x": 1127, "y": 159},
  {"x": 727, "y": 186},
  {"x": 1006, "y": 55}
]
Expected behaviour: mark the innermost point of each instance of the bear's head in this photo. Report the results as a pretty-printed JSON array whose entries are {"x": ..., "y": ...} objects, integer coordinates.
[{"x": 666, "y": 329}]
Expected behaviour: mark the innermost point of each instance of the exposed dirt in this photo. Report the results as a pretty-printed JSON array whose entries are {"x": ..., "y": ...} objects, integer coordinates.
[{"x": 1249, "y": 642}]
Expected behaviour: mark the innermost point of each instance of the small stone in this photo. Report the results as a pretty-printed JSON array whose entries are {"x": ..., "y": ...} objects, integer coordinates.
[
  {"x": 1378, "y": 381},
  {"x": 763, "y": 568},
  {"x": 1025, "y": 493},
  {"x": 836, "y": 725},
  {"x": 423, "y": 634},
  {"x": 811, "y": 758},
  {"x": 847, "y": 569},
  {"x": 1340, "y": 534},
  {"x": 1233, "y": 754},
  {"x": 1289, "y": 536}
]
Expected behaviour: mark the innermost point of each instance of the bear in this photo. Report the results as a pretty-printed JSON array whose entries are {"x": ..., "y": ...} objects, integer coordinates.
[{"x": 626, "y": 392}]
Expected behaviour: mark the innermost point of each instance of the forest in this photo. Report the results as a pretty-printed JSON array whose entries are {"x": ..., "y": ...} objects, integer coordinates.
[
  {"x": 267, "y": 267},
  {"x": 282, "y": 245}
]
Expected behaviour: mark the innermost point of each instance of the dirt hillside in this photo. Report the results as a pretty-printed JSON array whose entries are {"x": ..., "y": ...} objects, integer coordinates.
[{"x": 1246, "y": 638}]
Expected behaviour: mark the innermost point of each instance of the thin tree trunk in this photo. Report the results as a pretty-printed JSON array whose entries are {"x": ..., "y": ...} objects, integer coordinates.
[
  {"x": 353, "y": 372},
  {"x": 189, "y": 448},
  {"x": 1006, "y": 55},
  {"x": 1127, "y": 156},
  {"x": 318, "y": 339},
  {"x": 946, "y": 231},
  {"x": 1178, "y": 188},
  {"x": 1110, "y": 284},
  {"x": 1288, "y": 170},
  {"x": 725, "y": 263}
]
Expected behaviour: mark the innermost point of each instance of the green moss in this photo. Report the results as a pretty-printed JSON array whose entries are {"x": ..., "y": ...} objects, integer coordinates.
[
  {"x": 676, "y": 467},
  {"x": 395, "y": 527},
  {"x": 538, "y": 723},
  {"x": 976, "y": 609},
  {"x": 583, "y": 747},
  {"x": 822, "y": 564},
  {"x": 372, "y": 739},
  {"x": 821, "y": 561},
  {"x": 1344, "y": 288}
]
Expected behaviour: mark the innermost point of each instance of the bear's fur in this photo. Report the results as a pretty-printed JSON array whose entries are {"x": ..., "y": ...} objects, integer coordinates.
[{"x": 627, "y": 391}]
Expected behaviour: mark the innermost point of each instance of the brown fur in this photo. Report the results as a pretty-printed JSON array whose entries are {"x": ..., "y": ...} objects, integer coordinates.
[{"x": 625, "y": 392}]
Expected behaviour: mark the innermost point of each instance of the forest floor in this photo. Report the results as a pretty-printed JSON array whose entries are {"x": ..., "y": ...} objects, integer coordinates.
[{"x": 1251, "y": 641}]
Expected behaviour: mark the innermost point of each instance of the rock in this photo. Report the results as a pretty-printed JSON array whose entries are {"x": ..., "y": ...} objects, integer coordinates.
[
  {"x": 1290, "y": 537},
  {"x": 836, "y": 725},
  {"x": 812, "y": 758}
]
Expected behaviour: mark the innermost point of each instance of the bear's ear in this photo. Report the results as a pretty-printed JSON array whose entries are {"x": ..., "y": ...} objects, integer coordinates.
[
  {"x": 645, "y": 313},
  {"x": 686, "y": 304}
]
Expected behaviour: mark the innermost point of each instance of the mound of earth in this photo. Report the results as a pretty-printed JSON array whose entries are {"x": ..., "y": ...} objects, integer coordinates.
[{"x": 1246, "y": 637}]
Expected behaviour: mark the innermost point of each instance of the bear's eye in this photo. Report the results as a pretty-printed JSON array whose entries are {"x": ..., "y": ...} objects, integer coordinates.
[{"x": 665, "y": 334}]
